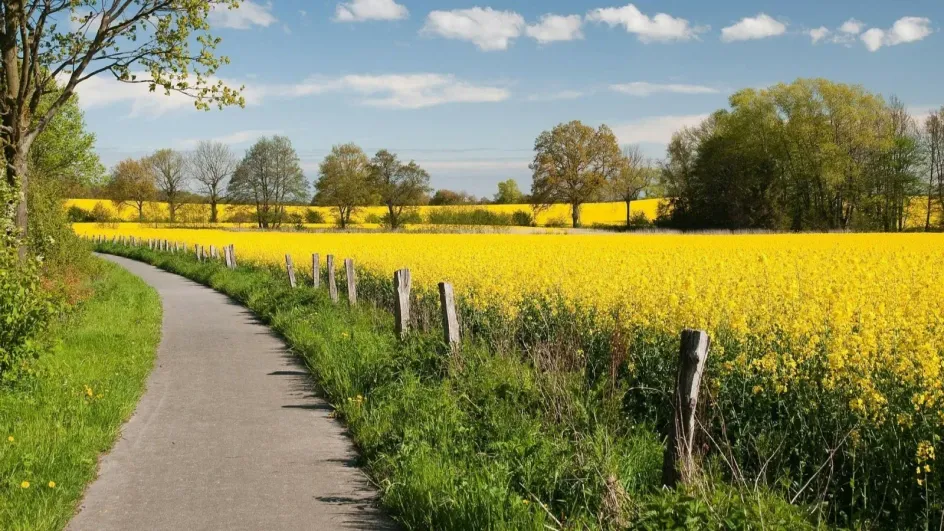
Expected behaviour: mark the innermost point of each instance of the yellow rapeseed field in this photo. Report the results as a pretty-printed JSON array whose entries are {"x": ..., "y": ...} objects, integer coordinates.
[
  {"x": 862, "y": 305},
  {"x": 591, "y": 213}
]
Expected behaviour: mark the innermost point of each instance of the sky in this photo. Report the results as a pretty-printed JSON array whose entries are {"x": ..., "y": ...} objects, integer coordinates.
[{"x": 464, "y": 88}]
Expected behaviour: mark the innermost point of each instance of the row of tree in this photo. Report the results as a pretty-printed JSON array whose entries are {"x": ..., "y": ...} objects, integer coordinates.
[{"x": 810, "y": 155}]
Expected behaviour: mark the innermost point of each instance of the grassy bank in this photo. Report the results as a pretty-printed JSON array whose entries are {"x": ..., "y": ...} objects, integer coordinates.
[
  {"x": 55, "y": 422},
  {"x": 478, "y": 440}
]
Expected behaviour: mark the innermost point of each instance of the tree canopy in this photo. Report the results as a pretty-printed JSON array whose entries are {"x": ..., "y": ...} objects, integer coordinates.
[
  {"x": 344, "y": 181},
  {"x": 269, "y": 176},
  {"x": 399, "y": 186}
]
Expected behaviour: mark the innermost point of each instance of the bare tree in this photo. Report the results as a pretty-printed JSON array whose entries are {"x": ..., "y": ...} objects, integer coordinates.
[
  {"x": 51, "y": 46},
  {"x": 170, "y": 176},
  {"x": 633, "y": 177},
  {"x": 212, "y": 164}
]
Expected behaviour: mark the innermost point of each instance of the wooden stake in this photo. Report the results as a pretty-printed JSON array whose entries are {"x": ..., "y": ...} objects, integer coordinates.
[
  {"x": 213, "y": 254},
  {"x": 401, "y": 302},
  {"x": 315, "y": 270},
  {"x": 351, "y": 282},
  {"x": 290, "y": 268},
  {"x": 447, "y": 302},
  {"x": 678, "y": 464},
  {"x": 332, "y": 282}
]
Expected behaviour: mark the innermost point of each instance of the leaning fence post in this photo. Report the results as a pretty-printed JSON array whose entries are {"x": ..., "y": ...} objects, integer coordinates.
[
  {"x": 678, "y": 463},
  {"x": 447, "y": 302},
  {"x": 401, "y": 302},
  {"x": 290, "y": 268},
  {"x": 351, "y": 281},
  {"x": 315, "y": 270},
  {"x": 332, "y": 283}
]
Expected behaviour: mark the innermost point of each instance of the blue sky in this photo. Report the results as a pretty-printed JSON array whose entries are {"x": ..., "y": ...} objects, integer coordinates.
[{"x": 464, "y": 88}]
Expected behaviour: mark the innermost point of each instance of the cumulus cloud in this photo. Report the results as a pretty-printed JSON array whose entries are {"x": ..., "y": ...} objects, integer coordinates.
[
  {"x": 551, "y": 28},
  {"x": 248, "y": 14},
  {"x": 904, "y": 30},
  {"x": 656, "y": 129},
  {"x": 361, "y": 10},
  {"x": 760, "y": 27},
  {"x": 818, "y": 34},
  {"x": 487, "y": 28},
  {"x": 660, "y": 28},
  {"x": 852, "y": 27},
  {"x": 643, "y": 88}
]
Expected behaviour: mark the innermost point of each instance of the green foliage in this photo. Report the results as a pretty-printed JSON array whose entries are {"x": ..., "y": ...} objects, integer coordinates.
[
  {"x": 25, "y": 311},
  {"x": 508, "y": 193},
  {"x": 522, "y": 218},
  {"x": 314, "y": 217},
  {"x": 58, "y": 429},
  {"x": 344, "y": 181},
  {"x": 469, "y": 216},
  {"x": 77, "y": 214},
  {"x": 397, "y": 185},
  {"x": 269, "y": 177}
]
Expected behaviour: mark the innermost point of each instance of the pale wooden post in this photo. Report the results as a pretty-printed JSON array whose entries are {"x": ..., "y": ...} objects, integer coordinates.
[
  {"x": 232, "y": 254},
  {"x": 678, "y": 463},
  {"x": 213, "y": 254},
  {"x": 351, "y": 281},
  {"x": 447, "y": 302},
  {"x": 315, "y": 270},
  {"x": 332, "y": 283},
  {"x": 401, "y": 302},
  {"x": 226, "y": 258},
  {"x": 166, "y": 246},
  {"x": 290, "y": 268}
]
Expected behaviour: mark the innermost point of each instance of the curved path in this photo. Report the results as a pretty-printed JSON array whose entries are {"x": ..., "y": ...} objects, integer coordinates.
[{"x": 228, "y": 435}]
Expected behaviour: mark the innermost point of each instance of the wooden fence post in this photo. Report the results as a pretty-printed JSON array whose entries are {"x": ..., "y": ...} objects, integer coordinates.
[
  {"x": 229, "y": 263},
  {"x": 447, "y": 302},
  {"x": 290, "y": 268},
  {"x": 351, "y": 281},
  {"x": 332, "y": 282},
  {"x": 232, "y": 254},
  {"x": 315, "y": 270},
  {"x": 678, "y": 463},
  {"x": 401, "y": 302},
  {"x": 213, "y": 254}
]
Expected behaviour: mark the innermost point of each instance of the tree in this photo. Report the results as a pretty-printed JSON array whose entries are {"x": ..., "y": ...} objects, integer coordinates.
[
  {"x": 634, "y": 176},
  {"x": 212, "y": 163},
  {"x": 508, "y": 193},
  {"x": 131, "y": 182},
  {"x": 65, "y": 151},
  {"x": 269, "y": 176},
  {"x": 398, "y": 185},
  {"x": 169, "y": 169},
  {"x": 933, "y": 144},
  {"x": 135, "y": 41},
  {"x": 449, "y": 197},
  {"x": 344, "y": 181},
  {"x": 572, "y": 163}
]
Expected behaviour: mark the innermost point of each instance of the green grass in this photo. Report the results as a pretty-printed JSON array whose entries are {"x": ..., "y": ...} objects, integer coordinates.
[
  {"x": 481, "y": 440},
  {"x": 71, "y": 408}
]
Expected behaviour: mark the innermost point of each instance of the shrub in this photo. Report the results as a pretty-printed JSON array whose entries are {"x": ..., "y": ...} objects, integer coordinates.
[
  {"x": 314, "y": 217},
  {"x": 374, "y": 219},
  {"x": 557, "y": 222},
  {"x": 77, "y": 214},
  {"x": 468, "y": 216},
  {"x": 100, "y": 213},
  {"x": 522, "y": 218},
  {"x": 25, "y": 308}
]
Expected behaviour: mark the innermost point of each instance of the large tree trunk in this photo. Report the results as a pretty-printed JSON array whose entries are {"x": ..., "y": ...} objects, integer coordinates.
[
  {"x": 17, "y": 157},
  {"x": 393, "y": 217},
  {"x": 213, "y": 210},
  {"x": 628, "y": 214},
  {"x": 575, "y": 214}
]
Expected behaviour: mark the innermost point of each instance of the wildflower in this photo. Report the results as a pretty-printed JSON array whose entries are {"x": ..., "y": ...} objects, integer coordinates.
[
  {"x": 52, "y": 484},
  {"x": 10, "y": 438},
  {"x": 24, "y": 485}
]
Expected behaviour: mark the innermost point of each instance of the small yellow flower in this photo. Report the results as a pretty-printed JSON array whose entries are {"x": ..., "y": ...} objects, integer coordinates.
[
  {"x": 525, "y": 502},
  {"x": 52, "y": 484},
  {"x": 920, "y": 482},
  {"x": 88, "y": 392},
  {"x": 10, "y": 438},
  {"x": 24, "y": 485}
]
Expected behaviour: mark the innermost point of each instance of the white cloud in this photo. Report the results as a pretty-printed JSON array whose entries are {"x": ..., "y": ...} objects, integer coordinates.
[
  {"x": 818, "y": 34},
  {"x": 104, "y": 90},
  {"x": 488, "y": 29},
  {"x": 236, "y": 138},
  {"x": 83, "y": 20},
  {"x": 401, "y": 91},
  {"x": 643, "y": 88},
  {"x": 904, "y": 30},
  {"x": 555, "y": 96},
  {"x": 852, "y": 27},
  {"x": 248, "y": 14},
  {"x": 361, "y": 10},
  {"x": 660, "y": 28},
  {"x": 656, "y": 129},
  {"x": 551, "y": 28},
  {"x": 759, "y": 27}
]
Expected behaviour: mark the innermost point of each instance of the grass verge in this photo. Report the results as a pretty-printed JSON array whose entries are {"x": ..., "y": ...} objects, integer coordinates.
[
  {"x": 479, "y": 440},
  {"x": 57, "y": 421}
]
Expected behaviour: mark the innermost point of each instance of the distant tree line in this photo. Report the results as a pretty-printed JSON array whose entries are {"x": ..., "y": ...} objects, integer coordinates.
[{"x": 810, "y": 155}]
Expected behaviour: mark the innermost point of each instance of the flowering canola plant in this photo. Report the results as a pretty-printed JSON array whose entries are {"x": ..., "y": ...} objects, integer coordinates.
[{"x": 854, "y": 306}]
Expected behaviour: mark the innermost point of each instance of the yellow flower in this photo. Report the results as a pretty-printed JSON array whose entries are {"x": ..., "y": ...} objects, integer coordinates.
[
  {"x": 88, "y": 392},
  {"x": 24, "y": 485},
  {"x": 10, "y": 438},
  {"x": 52, "y": 484},
  {"x": 525, "y": 501}
]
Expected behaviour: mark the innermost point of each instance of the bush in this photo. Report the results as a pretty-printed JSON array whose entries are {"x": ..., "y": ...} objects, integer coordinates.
[
  {"x": 558, "y": 222},
  {"x": 77, "y": 214},
  {"x": 373, "y": 219},
  {"x": 639, "y": 220},
  {"x": 522, "y": 218},
  {"x": 314, "y": 217},
  {"x": 468, "y": 216},
  {"x": 26, "y": 310},
  {"x": 100, "y": 213}
]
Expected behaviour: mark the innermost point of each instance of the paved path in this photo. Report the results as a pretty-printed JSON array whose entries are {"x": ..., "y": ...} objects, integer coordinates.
[{"x": 228, "y": 435}]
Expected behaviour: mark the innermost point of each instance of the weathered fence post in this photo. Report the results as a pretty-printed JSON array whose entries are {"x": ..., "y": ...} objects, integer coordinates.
[
  {"x": 351, "y": 281},
  {"x": 315, "y": 270},
  {"x": 401, "y": 302},
  {"x": 226, "y": 258},
  {"x": 290, "y": 268},
  {"x": 332, "y": 283},
  {"x": 213, "y": 254},
  {"x": 232, "y": 254},
  {"x": 678, "y": 463},
  {"x": 447, "y": 302}
]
